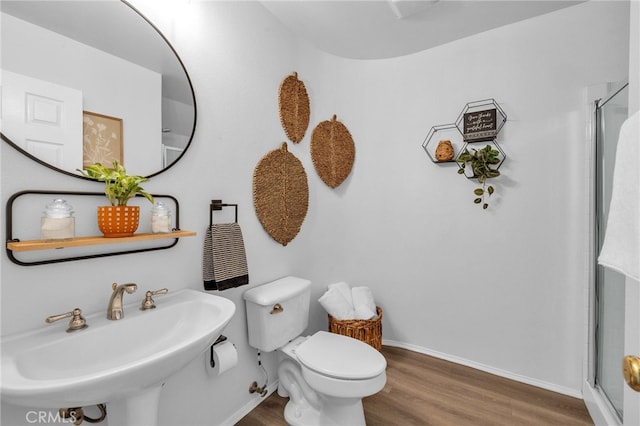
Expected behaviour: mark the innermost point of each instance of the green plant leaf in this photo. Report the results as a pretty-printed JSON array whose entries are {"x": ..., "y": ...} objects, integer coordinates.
[
  {"x": 464, "y": 157},
  {"x": 119, "y": 187},
  {"x": 480, "y": 161}
]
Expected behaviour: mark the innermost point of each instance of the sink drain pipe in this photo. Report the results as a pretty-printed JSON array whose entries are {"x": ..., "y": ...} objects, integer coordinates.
[{"x": 76, "y": 414}]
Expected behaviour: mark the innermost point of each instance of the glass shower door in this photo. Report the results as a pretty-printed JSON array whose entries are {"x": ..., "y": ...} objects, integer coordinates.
[{"x": 611, "y": 112}]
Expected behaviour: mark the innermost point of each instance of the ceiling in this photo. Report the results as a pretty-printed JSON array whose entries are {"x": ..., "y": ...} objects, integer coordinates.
[
  {"x": 358, "y": 29},
  {"x": 375, "y": 29}
]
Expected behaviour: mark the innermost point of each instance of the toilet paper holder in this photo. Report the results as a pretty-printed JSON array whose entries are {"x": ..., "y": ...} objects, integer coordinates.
[{"x": 220, "y": 339}]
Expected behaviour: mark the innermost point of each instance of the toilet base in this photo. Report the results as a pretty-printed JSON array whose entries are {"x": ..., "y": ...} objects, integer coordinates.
[
  {"x": 334, "y": 412},
  {"x": 306, "y": 407},
  {"x": 295, "y": 415}
]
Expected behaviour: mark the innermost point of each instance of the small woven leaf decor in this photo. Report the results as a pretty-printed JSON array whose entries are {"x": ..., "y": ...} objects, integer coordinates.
[
  {"x": 294, "y": 107},
  {"x": 332, "y": 151},
  {"x": 280, "y": 194}
]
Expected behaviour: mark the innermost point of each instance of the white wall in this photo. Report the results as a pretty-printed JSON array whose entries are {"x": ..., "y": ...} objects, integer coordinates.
[
  {"x": 236, "y": 54},
  {"x": 110, "y": 85},
  {"x": 501, "y": 289}
]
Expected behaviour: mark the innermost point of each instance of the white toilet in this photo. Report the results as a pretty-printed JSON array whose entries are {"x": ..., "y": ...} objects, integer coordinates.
[{"x": 325, "y": 375}]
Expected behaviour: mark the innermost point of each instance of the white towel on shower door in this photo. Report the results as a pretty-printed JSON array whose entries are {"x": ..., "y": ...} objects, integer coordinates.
[{"x": 621, "y": 247}]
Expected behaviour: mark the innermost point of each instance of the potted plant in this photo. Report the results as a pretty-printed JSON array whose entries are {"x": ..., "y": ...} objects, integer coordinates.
[
  {"x": 480, "y": 164},
  {"x": 118, "y": 219}
]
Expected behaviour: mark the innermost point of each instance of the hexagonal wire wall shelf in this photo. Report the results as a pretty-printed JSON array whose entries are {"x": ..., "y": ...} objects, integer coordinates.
[
  {"x": 441, "y": 133},
  {"x": 481, "y": 120}
]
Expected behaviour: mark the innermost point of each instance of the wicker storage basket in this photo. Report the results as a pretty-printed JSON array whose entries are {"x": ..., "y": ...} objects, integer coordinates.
[{"x": 368, "y": 331}]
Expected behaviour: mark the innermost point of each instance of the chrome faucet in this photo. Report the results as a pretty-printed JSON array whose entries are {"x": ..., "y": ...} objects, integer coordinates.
[{"x": 114, "y": 310}]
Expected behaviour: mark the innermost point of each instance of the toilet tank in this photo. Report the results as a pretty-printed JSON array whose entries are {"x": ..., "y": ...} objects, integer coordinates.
[{"x": 277, "y": 312}]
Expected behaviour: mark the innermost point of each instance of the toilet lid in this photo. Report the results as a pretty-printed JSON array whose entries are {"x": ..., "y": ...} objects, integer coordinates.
[{"x": 341, "y": 357}]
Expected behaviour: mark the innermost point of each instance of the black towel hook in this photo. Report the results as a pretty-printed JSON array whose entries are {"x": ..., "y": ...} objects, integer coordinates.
[{"x": 218, "y": 205}]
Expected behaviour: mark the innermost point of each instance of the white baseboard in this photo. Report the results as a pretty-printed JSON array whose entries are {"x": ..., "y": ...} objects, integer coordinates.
[
  {"x": 246, "y": 409},
  {"x": 498, "y": 372}
]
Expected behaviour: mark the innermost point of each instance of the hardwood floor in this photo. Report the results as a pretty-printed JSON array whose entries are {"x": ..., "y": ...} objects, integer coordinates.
[{"x": 422, "y": 390}]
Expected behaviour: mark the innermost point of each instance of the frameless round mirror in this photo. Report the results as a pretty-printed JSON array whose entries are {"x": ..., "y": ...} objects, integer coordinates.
[{"x": 92, "y": 81}]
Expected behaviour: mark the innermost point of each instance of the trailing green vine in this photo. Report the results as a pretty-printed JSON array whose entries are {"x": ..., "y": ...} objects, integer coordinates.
[{"x": 480, "y": 162}]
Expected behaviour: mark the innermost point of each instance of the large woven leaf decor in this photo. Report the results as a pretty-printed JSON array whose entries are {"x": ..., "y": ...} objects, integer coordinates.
[
  {"x": 280, "y": 194},
  {"x": 294, "y": 107},
  {"x": 332, "y": 151}
]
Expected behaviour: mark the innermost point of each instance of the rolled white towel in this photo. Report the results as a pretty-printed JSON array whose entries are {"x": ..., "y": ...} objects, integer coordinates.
[
  {"x": 336, "y": 305},
  {"x": 345, "y": 290},
  {"x": 364, "y": 303}
]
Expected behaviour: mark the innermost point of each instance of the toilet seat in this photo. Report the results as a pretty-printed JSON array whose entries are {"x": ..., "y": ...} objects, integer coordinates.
[
  {"x": 340, "y": 357},
  {"x": 341, "y": 388}
]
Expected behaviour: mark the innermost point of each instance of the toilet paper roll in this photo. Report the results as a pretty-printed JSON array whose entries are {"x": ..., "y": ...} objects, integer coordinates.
[{"x": 225, "y": 356}]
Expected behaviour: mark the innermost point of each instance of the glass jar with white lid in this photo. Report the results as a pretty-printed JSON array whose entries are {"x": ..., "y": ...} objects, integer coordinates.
[
  {"x": 57, "y": 222},
  {"x": 160, "y": 218}
]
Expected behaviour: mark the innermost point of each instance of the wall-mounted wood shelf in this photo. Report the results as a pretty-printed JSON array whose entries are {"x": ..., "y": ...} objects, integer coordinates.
[
  {"x": 33, "y": 245},
  {"x": 15, "y": 246}
]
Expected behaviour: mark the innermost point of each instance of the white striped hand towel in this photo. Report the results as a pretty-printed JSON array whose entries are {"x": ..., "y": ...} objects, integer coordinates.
[{"x": 224, "y": 260}]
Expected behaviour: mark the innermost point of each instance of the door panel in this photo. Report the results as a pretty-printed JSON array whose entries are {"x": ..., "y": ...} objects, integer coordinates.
[
  {"x": 46, "y": 116},
  {"x": 631, "y": 347}
]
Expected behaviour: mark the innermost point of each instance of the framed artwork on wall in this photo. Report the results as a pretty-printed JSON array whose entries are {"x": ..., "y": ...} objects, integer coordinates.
[{"x": 101, "y": 139}]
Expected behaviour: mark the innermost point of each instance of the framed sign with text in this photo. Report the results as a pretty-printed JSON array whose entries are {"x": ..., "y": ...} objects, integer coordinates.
[
  {"x": 480, "y": 125},
  {"x": 481, "y": 121}
]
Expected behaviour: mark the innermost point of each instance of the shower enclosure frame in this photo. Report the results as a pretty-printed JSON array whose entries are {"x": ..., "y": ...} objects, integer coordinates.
[{"x": 600, "y": 407}]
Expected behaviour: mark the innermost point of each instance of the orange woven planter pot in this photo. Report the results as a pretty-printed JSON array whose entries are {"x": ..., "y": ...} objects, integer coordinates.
[{"x": 118, "y": 221}]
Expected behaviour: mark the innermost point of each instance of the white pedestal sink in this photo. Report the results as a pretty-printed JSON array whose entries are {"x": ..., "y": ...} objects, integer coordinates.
[{"x": 121, "y": 363}]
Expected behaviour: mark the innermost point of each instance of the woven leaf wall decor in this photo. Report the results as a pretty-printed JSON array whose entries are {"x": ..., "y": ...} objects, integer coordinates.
[
  {"x": 280, "y": 194},
  {"x": 332, "y": 151},
  {"x": 294, "y": 107}
]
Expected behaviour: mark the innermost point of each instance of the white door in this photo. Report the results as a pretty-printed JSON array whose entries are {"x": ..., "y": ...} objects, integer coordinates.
[
  {"x": 632, "y": 347},
  {"x": 42, "y": 118},
  {"x": 623, "y": 260}
]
